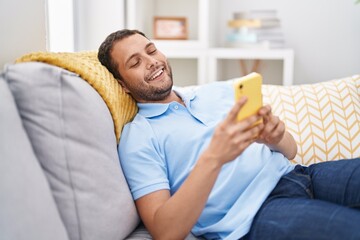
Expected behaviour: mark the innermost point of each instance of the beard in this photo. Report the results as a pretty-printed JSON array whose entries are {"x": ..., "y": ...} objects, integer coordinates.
[{"x": 151, "y": 93}]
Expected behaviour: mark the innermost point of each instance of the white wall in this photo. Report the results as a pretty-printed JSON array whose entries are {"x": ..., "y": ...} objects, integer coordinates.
[
  {"x": 23, "y": 25},
  {"x": 325, "y": 34},
  {"x": 60, "y": 25},
  {"x": 22, "y": 28},
  {"x": 81, "y": 25},
  {"x": 94, "y": 20}
]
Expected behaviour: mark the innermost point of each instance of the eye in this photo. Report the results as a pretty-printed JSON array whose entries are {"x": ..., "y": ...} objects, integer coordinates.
[
  {"x": 135, "y": 63},
  {"x": 152, "y": 51}
]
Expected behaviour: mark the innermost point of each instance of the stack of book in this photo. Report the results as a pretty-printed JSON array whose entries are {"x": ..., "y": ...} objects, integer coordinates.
[{"x": 255, "y": 29}]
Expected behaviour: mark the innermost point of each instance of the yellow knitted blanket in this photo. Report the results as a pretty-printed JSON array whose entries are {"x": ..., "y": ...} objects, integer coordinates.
[{"x": 86, "y": 64}]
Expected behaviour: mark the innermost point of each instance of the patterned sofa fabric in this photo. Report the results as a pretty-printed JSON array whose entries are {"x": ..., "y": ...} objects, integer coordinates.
[{"x": 324, "y": 118}]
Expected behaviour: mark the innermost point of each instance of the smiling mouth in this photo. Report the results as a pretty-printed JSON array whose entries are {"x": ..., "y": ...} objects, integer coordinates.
[{"x": 157, "y": 74}]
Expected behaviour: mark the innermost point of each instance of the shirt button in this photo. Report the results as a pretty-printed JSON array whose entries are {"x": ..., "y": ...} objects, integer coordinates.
[{"x": 176, "y": 107}]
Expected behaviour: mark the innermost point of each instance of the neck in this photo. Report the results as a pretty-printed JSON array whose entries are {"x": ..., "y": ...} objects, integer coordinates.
[{"x": 173, "y": 97}]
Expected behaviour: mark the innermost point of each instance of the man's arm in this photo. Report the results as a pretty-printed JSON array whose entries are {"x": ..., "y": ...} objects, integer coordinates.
[
  {"x": 172, "y": 217},
  {"x": 274, "y": 134}
]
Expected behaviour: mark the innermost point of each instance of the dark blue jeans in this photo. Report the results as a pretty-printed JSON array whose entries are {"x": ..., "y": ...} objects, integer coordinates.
[{"x": 321, "y": 201}]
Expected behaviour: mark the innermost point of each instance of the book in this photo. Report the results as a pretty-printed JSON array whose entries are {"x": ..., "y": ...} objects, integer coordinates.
[
  {"x": 255, "y": 29},
  {"x": 239, "y": 23},
  {"x": 254, "y": 23},
  {"x": 270, "y": 23},
  {"x": 256, "y": 14},
  {"x": 242, "y": 37}
]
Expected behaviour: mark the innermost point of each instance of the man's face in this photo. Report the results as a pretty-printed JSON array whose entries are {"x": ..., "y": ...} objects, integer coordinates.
[{"x": 145, "y": 71}]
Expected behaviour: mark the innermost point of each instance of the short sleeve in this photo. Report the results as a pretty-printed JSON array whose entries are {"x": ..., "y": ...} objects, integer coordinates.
[{"x": 141, "y": 159}]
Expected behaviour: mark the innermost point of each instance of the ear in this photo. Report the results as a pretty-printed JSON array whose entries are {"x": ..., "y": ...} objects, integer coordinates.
[{"x": 123, "y": 86}]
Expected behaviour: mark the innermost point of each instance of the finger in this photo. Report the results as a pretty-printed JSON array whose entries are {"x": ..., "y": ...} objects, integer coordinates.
[
  {"x": 271, "y": 123},
  {"x": 247, "y": 123},
  {"x": 248, "y": 135},
  {"x": 277, "y": 131},
  {"x": 265, "y": 113},
  {"x": 231, "y": 117},
  {"x": 265, "y": 110}
]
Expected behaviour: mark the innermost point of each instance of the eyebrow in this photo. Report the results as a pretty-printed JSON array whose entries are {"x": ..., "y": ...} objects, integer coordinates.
[{"x": 135, "y": 54}]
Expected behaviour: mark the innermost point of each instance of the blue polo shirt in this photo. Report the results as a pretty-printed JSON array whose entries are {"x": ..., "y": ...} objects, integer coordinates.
[{"x": 160, "y": 147}]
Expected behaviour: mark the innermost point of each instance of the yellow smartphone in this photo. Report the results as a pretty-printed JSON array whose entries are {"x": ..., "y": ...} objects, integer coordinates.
[{"x": 249, "y": 86}]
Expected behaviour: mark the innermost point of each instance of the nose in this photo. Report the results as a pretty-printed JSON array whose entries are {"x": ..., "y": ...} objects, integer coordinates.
[{"x": 151, "y": 62}]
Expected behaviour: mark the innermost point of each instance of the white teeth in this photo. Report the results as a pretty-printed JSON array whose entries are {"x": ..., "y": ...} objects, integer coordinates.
[{"x": 158, "y": 74}]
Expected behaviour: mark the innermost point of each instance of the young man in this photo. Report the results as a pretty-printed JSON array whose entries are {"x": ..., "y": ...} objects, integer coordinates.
[{"x": 192, "y": 167}]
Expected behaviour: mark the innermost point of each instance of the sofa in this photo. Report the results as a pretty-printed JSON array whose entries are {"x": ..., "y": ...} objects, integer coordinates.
[{"x": 61, "y": 116}]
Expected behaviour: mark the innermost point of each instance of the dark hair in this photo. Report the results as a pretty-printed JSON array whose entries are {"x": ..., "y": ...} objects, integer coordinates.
[{"x": 104, "y": 53}]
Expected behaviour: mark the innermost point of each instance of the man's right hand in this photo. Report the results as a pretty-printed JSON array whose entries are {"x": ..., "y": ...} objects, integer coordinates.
[{"x": 232, "y": 137}]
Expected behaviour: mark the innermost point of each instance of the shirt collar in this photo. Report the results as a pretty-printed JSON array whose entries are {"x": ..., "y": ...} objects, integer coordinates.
[
  {"x": 148, "y": 110},
  {"x": 187, "y": 94}
]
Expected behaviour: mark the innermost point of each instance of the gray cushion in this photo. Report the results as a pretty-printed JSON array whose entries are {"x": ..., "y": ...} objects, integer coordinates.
[
  {"x": 72, "y": 134},
  {"x": 141, "y": 233},
  {"x": 27, "y": 207}
]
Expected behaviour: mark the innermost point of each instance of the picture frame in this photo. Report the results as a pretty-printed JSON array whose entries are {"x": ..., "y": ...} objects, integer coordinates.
[{"x": 170, "y": 28}]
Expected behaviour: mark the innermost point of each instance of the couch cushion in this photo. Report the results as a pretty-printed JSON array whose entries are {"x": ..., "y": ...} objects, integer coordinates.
[
  {"x": 72, "y": 134},
  {"x": 141, "y": 233},
  {"x": 27, "y": 207},
  {"x": 122, "y": 107},
  {"x": 324, "y": 118}
]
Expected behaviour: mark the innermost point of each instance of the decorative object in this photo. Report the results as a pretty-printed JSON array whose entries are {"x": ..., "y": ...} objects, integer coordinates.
[
  {"x": 256, "y": 29},
  {"x": 170, "y": 28}
]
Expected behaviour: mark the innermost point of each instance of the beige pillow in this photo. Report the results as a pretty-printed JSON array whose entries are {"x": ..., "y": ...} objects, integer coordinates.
[{"x": 324, "y": 118}]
